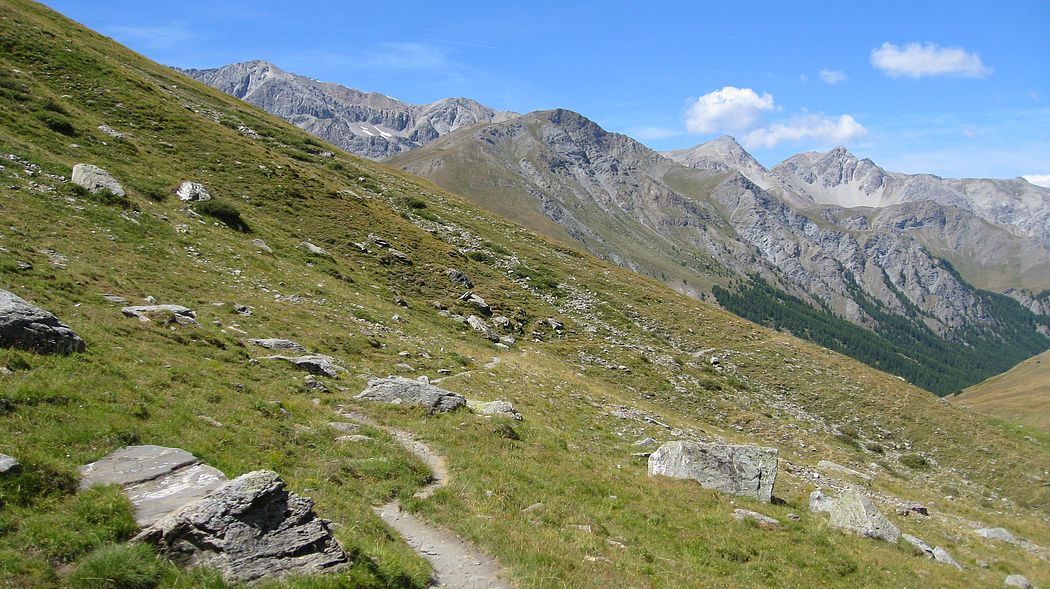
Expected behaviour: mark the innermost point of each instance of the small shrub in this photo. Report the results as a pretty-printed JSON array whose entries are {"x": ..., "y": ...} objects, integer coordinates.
[
  {"x": 915, "y": 462},
  {"x": 224, "y": 212},
  {"x": 119, "y": 566},
  {"x": 479, "y": 256},
  {"x": 55, "y": 107},
  {"x": 57, "y": 123},
  {"x": 875, "y": 447}
]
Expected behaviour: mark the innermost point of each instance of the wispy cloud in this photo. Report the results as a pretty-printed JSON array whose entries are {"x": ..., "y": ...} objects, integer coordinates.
[
  {"x": 651, "y": 133},
  {"x": 728, "y": 109},
  {"x": 833, "y": 76},
  {"x": 156, "y": 37},
  {"x": 406, "y": 56},
  {"x": 916, "y": 60},
  {"x": 811, "y": 127},
  {"x": 1038, "y": 179}
]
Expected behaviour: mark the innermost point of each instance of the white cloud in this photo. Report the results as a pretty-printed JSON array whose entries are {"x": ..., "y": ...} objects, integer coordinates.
[
  {"x": 916, "y": 60},
  {"x": 833, "y": 76},
  {"x": 728, "y": 109},
  {"x": 1038, "y": 179},
  {"x": 819, "y": 128}
]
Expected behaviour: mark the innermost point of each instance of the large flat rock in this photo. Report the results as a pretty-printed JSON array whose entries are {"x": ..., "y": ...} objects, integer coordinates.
[
  {"x": 748, "y": 471},
  {"x": 156, "y": 498},
  {"x": 855, "y": 513},
  {"x": 134, "y": 464},
  {"x": 399, "y": 390}
]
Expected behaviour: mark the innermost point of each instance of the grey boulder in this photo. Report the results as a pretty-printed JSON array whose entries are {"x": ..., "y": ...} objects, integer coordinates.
[
  {"x": 748, "y": 471},
  {"x": 170, "y": 313},
  {"x": 31, "y": 328},
  {"x": 193, "y": 192},
  {"x": 95, "y": 179},
  {"x": 9, "y": 465},
  {"x": 398, "y": 390},
  {"x": 1000, "y": 534},
  {"x": 856, "y": 514},
  {"x": 458, "y": 277},
  {"x": 819, "y": 502},
  {"x": 763, "y": 521},
  {"x": 1018, "y": 581},
  {"x": 498, "y": 408},
  {"x": 314, "y": 364},
  {"x": 272, "y": 343},
  {"x": 250, "y": 528}
]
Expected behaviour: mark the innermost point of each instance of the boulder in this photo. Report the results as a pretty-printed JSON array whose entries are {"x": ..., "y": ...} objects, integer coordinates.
[
  {"x": 192, "y": 192},
  {"x": 262, "y": 246},
  {"x": 250, "y": 528},
  {"x": 1018, "y": 581},
  {"x": 9, "y": 465},
  {"x": 458, "y": 277},
  {"x": 1000, "y": 534},
  {"x": 314, "y": 364},
  {"x": 95, "y": 179},
  {"x": 922, "y": 547},
  {"x": 395, "y": 389},
  {"x": 157, "y": 480},
  {"x": 500, "y": 408},
  {"x": 170, "y": 313},
  {"x": 745, "y": 470},
  {"x": 26, "y": 327},
  {"x": 819, "y": 502},
  {"x": 944, "y": 557},
  {"x": 855, "y": 513},
  {"x": 273, "y": 343},
  {"x": 313, "y": 249},
  {"x": 478, "y": 303},
  {"x": 764, "y": 521}
]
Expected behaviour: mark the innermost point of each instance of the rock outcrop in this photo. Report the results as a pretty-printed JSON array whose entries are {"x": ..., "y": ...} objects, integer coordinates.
[
  {"x": 273, "y": 343},
  {"x": 314, "y": 364},
  {"x": 498, "y": 408},
  {"x": 192, "y": 192},
  {"x": 95, "y": 179},
  {"x": 856, "y": 514},
  {"x": 249, "y": 528},
  {"x": 31, "y": 328},
  {"x": 749, "y": 471},
  {"x": 168, "y": 313},
  {"x": 9, "y": 465},
  {"x": 398, "y": 390}
]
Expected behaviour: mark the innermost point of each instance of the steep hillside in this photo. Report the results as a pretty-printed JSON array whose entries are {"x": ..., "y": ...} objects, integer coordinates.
[
  {"x": 364, "y": 123},
  {"x": 867, "y": 283},
  {"x": 596, "y": 359},
  {"x": 1021, "y": 395}
]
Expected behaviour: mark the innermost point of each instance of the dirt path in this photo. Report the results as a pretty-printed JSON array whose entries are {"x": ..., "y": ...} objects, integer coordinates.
[{"x": 457, "y": 564}]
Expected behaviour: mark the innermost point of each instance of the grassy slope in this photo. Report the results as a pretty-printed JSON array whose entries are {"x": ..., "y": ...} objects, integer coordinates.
[
  {"x": 150, "y": 383},
  {"x": 1020, "y": 395}
]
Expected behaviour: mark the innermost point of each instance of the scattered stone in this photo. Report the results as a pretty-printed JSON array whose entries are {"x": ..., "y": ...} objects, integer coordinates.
[
  {"x": 310, "y": 383},
  {"x": 192, "y": 192},
  {"x": 344, "y": 427},
  {"x": 396, "y": 389},
  {"x": 764, "y": 521},
  {"x": 907, "y": 509},
  {"x": 922, "y": 547},
  {"x": 944, "y": 557},
  {"x": 830, "y": 466},
  {"x": 533, "y": 507},
  {"x": 250, "y": 528},
  {"x": 1001, "y": 534},
  {"x": 500, "y": 408},
  {"x": 95, "y": 179},
  {"x": 646, "y": 443},
  {"x": 9, "y": 465},
  {"x": 400, "y": 256},
  {"x": 556, "y": 325},
  {"x": 794, "y": 517},
  {"x": 819, "y": 502},
  {"x": 313, "y": 249},
  {"x": 458, "y": 277},
  {"x": 20, "y": 265},
  {"x": 171, "y": 313},
  {"x": 273, "y": 343},
  {"x": 261, "y": 245},
  {"x": 31, "y": 328},
  {"x": 314, "y": 364},
  {"x": 855, "y": 513},
  {"x": 1018, "y": 581},
  {"x": 745, "y": 470},
  {"x": 115, "y": 299},
  {"x": 210, "y": 421},
  {"x": 242, "y": 310},
  {"x": 501, "y": 322},
  {"x": 586, "y": 529},
  {"x": 354, "y": 438},
  {"x": 110, "y": 131}
]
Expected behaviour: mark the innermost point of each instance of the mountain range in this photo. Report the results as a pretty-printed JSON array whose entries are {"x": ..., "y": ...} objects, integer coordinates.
[{"x": 905, "y": 272}]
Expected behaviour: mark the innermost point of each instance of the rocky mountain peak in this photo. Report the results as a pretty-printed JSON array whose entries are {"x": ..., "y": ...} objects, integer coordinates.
[{"x": 723, "y": 154}]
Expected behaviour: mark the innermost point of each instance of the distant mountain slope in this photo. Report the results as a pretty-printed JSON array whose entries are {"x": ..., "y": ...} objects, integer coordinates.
[
  {"x": 1021, "y": 395},
  {"x": 364, "y": 123},
  {"x": 702, "y": 230}
]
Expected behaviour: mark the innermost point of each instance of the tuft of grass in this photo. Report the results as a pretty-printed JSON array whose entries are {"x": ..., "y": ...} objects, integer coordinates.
[
  {"x": 118, "y": 566},
  {"x": 915, "y": 462}
]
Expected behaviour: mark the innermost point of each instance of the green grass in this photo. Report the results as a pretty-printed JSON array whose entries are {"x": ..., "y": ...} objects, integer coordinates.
[{"x": 153, "y": 383}]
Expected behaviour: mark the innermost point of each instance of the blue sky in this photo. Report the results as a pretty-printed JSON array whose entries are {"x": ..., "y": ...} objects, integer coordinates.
[{"x": 954, "y": 88}]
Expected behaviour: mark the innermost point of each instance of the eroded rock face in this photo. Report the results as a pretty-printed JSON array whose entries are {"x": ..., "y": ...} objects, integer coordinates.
[
  {"x": 395, "y": 389},
  {"x": 95, "y": 179},
  {"x": 31, "y": 328},
  {"x": 749, "y": 471},
  {"x": 250, "y": 528},
  {"x": 855, "y": 513}
]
